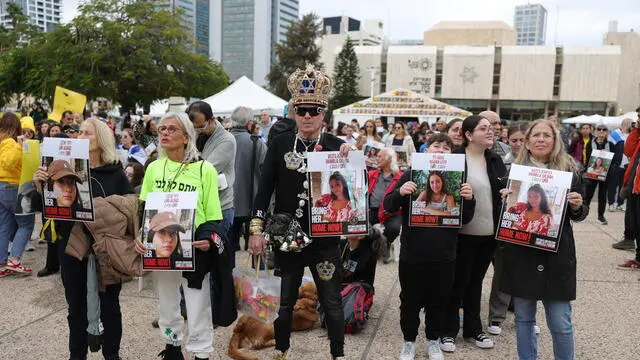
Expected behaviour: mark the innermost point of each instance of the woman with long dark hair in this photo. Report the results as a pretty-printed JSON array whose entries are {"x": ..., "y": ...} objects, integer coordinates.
[
  {"x": 370, "y": 135},
  {"x": 485, "y": 172},
  {"x": 534, "y": 216},
  {"x": 530, "y": 275},
  {"x": 438, "y": 200},
  {"x": 338, "y": 202},
  {"x": 454, "y": 130}
]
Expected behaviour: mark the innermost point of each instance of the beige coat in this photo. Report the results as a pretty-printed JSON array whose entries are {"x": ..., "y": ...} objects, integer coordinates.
[{"x": 117, "y": 223}]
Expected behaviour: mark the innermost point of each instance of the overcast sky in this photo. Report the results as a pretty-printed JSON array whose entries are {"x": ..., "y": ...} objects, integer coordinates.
[{"x": 578, "y": 22}]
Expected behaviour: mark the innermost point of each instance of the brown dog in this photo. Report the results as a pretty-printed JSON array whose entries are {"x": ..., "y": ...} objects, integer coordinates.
[{"x": 253, "y": 334}]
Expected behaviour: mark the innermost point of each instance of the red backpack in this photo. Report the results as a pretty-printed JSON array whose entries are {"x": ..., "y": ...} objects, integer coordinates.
[{"x": 357, "y": 298}]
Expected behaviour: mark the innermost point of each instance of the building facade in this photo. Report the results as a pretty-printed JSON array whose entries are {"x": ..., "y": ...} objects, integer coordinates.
[
  {"x": 243, "y": 34},
  {"x": 45, "y": 14},
  {"x": 188, "y": 16},
  {"x": 489, "y": 33},
  {"x": 519, "y": 82},
  {"x": 202, "y": 26},
  {"x": 530, "y": 22}
]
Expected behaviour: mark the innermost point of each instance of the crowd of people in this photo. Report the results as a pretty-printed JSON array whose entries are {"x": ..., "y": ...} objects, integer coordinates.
[{"x": 247, "y": 167}]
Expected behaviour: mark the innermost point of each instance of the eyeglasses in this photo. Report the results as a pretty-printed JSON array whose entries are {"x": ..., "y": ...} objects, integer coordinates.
[
  {"x": 602, "y": 129},
  {"x": 70, "y": 131},
  {"x": 399, "y": 128},
  {"x": 169, "y": 129},
  {"x": 312, "y": 110}
]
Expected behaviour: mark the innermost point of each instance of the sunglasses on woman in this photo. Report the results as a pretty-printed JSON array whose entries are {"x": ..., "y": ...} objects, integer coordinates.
[
  {"x": 312, "y": 110},
  {"x": 602, "y": 129}
]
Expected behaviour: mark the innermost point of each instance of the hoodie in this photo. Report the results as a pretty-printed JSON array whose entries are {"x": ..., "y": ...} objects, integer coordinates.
[{"x": 10, "y": 161}]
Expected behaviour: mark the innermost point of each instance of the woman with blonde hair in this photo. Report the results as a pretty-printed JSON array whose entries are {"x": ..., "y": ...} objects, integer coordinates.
[
  {"x": 370, "y": 135},
  {"x": 554, "y": 272},
  {"x": 107, "y": 178}
]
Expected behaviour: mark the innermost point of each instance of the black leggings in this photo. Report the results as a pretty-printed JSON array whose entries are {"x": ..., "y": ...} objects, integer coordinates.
[
  {"x": 74, "y": 279},
  {"x": 602, "y": 194},
  {"x": 327, "y": 261}
]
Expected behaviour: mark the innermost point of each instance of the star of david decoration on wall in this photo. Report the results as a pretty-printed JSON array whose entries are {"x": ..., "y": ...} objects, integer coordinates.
[{"x": 469, "y": 74}]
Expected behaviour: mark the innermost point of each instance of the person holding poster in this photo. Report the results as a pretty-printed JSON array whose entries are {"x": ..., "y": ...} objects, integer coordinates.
[
  {"x": 179, "y": 169},
  {"x": 13, "y": 228},
  {"x": 426, "y": 250},
  {"x": 402, "y": 143},
  {"x": 531, "y": 274},
  {"x": 370, "y": 135},
  {"x": 596, "y": 173},
  {"x": 485, "y": 172},
  {"x": 107, "y": 178},
  {"x": 285, "y": 173}
]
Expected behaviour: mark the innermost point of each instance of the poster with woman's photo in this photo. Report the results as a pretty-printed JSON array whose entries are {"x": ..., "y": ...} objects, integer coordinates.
[
  {"x": 371, "y": 151},
  {"x": 67, "y": 192},
  {"x": 598, "y": 165},
  {"x": 533, "y": 214},
  {"x": 437, "y": 201},
  {"x": 27, "y": 188},
  {"x": 338, "y": 186},
  {"x": 167, "y": 231},
  {"x": 402, "y": 157}
]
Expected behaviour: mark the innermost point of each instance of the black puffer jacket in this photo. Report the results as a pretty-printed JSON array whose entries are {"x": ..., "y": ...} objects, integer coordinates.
[{"x": 543, "y": 275}]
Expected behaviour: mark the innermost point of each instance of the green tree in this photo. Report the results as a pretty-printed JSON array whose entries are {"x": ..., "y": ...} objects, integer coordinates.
[
  {"x": 120, "y": 50},
  {"x": 345, "y": 77},
  {"x": 298, "y": 49}
]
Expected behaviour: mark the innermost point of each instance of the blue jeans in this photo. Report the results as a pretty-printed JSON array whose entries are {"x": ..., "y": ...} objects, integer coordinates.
[
  {"x": 227, "y": 218},
  {"x": 16, "y": 229},
  {"x": 559, "y": 323}
]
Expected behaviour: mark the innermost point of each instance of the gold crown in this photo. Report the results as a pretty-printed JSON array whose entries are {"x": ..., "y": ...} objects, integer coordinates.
[{"x": 309, "y": 86}]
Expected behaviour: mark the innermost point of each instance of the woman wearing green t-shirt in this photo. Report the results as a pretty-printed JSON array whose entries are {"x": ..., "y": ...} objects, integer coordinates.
[{"x": 179, "y": 169}]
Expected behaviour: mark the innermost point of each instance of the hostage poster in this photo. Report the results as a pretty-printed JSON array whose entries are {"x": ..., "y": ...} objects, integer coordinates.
[
  {"x": 67, "y": 192},
  {"x": 338, "y": 187},
  {"x": 167, "y": 231},
  {"x": 371, "y": 151},
  {"x": 401, "y": 157},
  {"x": 533, "y": 214},
  {"x": 599, "y": 164},
  {"x": 437, "y": 201}
]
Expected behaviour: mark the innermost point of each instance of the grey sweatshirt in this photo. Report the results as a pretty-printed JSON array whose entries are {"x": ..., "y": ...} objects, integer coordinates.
[{"x": 220, "y": 151}]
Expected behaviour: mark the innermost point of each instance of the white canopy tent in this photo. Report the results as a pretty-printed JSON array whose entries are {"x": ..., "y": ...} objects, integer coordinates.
[
  {"x": 398, "y": 103},
  {"x": 612, "y": 122},
  {"x": 244, "y": 92}
]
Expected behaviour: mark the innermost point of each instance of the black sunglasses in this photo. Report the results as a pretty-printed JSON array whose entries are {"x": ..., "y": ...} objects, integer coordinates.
[
  {"x": 312, "y": 110},
  {"x": 70, "y": 131},
  {"x": 602, "y": 129}
]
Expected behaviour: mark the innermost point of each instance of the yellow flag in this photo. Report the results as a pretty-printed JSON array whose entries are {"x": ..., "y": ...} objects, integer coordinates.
[{"x": 65, "y": 99}]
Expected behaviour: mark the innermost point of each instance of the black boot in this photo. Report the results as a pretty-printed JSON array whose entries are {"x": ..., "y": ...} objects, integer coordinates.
[
  {"x": 171, "y": 352},
  {"x": 94, "y": 341}
]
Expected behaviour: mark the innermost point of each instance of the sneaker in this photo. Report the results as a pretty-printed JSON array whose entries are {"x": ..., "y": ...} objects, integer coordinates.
[
  {"x": 494, "y": 328},
  {"x": 5, "y": 272},
  {"x": 482, "y": 341},
  {"x": 29, "y": 247},
  {"x": 17, "y": 267},
  {"x": 602, "y": 220},
  {"x": 612, "y": 208},
  {"x": 630, "y": 265},
  {"x": 408, "y": 351},
  {"x": 171, "y": 352},
  {"x": 280, "y": 355},
  {"x": 620, "y": 208},
  {"x": 536, "y": 328},
  {"x": 433, "y": 349},
  {"x": 625, "y": 244},
  {"x": 448, "y": 344}
]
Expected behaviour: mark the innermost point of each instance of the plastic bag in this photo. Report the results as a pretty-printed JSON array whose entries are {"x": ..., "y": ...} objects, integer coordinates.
[{"x": 257, "y": 292}]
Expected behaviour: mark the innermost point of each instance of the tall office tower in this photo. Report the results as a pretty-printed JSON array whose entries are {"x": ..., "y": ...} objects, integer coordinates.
[
  {"x": 530, "y": 22},
  {"x": 45, "y": 14},
  {"x": 188, "y": 16},
  {"x": 202, "y": 26},
  {"x": 244, "y": 34}
]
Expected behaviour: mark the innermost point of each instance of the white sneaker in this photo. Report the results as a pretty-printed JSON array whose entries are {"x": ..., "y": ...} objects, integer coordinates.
[
  {"x": 482, "y": 341},
  {"x": 408, "y": 351},
  {"x": 448, "y": 344},
  {"x": 612, "y": 208},
  {"x": 494, "y": 328},
  {"x": 433, "y": 349},
  {"x": 536, "y": 328}
]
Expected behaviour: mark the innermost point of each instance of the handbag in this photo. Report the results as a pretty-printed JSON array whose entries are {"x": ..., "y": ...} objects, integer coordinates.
[
  {"x": 286, "y": 233},
  {"x": 257, "y": 295}
]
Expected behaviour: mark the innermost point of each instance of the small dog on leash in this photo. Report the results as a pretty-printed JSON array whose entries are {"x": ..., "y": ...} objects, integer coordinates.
[{"x": 256, "y": 335}]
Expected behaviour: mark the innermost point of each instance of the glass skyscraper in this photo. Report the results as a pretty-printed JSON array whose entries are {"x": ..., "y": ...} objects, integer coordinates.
[{"x": 530, "y": 22}]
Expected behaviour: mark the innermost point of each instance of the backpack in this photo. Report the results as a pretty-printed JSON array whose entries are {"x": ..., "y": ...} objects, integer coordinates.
[
  {"x": 357, "y": 299},
  {"x": 281, "y": 126}
]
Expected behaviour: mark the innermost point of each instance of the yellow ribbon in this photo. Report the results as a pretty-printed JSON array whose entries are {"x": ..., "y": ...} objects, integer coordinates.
[{"x": 52, "y": 225}]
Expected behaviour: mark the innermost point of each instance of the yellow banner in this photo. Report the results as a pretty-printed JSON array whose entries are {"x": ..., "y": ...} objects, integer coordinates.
[
  {"x": 65, "y": 99},
  {"x": 30, "y": 160}
]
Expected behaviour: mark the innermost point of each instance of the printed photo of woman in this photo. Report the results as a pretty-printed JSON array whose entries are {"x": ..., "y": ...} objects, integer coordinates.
[
  {"x": 338, "y": 202},
  {"x": 435, "y": 196},
  {"x": 534, "y": 216},
  {"x": 164, "y": 229},
  {"x": 63, "y": 182},
  {"x": 597, "y": 167}
]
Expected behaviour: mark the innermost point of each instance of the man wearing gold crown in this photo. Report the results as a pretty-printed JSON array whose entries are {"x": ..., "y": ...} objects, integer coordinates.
[{"x": 285, "y": 173}]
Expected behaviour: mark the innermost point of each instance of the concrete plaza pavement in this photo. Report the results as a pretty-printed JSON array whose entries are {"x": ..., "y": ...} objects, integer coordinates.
[{"x": 606, "y": 315}]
